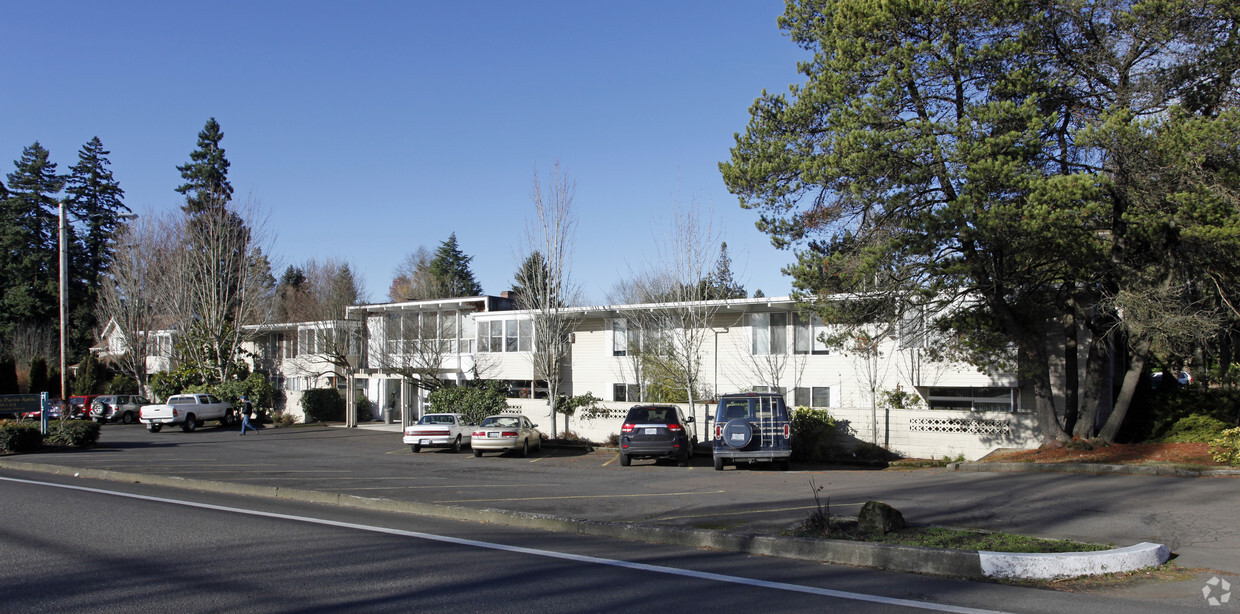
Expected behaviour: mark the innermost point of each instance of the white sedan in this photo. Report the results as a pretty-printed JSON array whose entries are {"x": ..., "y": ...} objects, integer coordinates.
[
  {"x": 439, "y": 431},
  {"x": 506, "y": 433}
]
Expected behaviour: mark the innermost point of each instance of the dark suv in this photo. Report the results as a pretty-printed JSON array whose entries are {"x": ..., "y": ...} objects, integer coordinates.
[
  {"x": 657, "y": 431},
  {"x": 752, "y": 427}
]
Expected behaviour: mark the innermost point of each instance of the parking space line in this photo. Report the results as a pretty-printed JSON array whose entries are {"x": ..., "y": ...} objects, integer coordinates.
[{"x": 623, "y": 496}]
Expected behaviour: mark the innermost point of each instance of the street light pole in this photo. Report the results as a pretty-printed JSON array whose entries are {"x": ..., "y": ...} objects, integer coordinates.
[{"x": 64, "y": 310}]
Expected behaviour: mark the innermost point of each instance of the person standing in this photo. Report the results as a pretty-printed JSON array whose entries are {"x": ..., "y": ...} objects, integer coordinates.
[{"x": 247, "y": 412}]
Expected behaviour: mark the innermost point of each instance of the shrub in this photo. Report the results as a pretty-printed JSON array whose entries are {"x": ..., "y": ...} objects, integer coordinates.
[
  {"x": 1226, "y": 449},
  {"x": 121, "y": 384},
  {"x": 72, "y": 433},
  {"x": 1195, "y": 428},
  {"x": 365, "y": 409},
  {"x": 812, "y": 430},
  {"x": 1162, "y": 410},
  {"x": 323, "y": 405},
  {"x": 476, "y": 402},
  {"x": 16, "y": 437}
]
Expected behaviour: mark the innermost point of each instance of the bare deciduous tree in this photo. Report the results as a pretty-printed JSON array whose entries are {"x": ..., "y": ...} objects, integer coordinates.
[
  {"x": 548, "y": 289},
  {"x": 680, "y": 316},
  {"x": 131, "y": 295},
  {"x": 219, "y": 281}
]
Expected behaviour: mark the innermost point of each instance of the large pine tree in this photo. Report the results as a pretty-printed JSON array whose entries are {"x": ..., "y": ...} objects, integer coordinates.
[
  {"x": 206, "y": 186},
  {"x": 29, "y": 275},
  {"x": 94, "y": 199},
  {"x": 450, "y": 270}
]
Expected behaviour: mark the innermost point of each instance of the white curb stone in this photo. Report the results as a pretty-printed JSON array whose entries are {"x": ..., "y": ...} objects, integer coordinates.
[{"x": 1070, "y": 564}]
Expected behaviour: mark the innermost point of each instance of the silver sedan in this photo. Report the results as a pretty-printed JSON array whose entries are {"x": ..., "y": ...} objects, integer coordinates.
[{"x": 502, "y": 433}]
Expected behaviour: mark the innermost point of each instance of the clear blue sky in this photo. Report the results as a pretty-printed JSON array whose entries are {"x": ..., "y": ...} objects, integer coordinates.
[{"x": 366, "y": 129}]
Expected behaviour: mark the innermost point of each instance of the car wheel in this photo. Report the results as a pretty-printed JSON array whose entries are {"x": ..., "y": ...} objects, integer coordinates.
[
  {"x": 718, "y": 463},
  {"x": 154, "y": 428},
  {"x": 456, "y": 445},
  {"x": 525, "y": 448},
  {"x": 102, "y": 421},
  {"x": 191, "y": 423},
  {"x": 683, "y": 461},
  {"x": 229, "y": 419},
  {"x": 127, "y": 418},
  {"x": 624, "y": 460},
  {"x": 415, "y": 447},
  {"x": 477, "y": 453}
]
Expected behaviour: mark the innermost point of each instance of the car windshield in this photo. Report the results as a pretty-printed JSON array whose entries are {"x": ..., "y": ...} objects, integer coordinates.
[
  {"x": 662, "y": 415},
  {"x": 436, "y": 419},
  {"x": 501, "y": 421}
]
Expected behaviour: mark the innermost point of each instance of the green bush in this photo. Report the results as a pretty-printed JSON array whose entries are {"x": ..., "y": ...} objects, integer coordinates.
[
  {"x": 323, "y": 405},
  {"x": 18, "y": 437},
  {"x": 812, "y": 430},
  {"x": 1195, "y": 428},
  {"x": 476, "y": 402},
  {"x": 1163, "y": 410},
  {"x": 72, "y": 433},
  {"x": 365, "y": 409},
  {"x": 121, "y": 384},
  {"x": 1226, "y": 449}
]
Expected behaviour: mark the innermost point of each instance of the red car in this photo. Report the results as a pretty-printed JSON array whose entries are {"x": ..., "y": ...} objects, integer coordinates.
[{"x": 79, "y": 406}]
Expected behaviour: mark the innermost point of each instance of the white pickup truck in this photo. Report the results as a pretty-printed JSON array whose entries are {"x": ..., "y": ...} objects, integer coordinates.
[
  {"x": 188, "y": 410},
  {"x": 439, "y": 431}
]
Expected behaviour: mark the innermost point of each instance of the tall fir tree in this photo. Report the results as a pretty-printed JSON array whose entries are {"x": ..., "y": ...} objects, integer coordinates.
[
  {"x": 722, "y": 284},
  {"x": 206, "y": 186},
  {"x": 450, "y": 270},
  {"x": 94, "y": 199},
  {"x": 29, "y": 275},
  {"x": 530, "y": 274}
]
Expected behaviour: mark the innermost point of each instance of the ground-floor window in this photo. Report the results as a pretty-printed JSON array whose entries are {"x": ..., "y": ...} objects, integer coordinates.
[
  {"x": 628, "y": 393},
  {"x": 993, "y": 398},
  {"x": 813, "y": 396}
]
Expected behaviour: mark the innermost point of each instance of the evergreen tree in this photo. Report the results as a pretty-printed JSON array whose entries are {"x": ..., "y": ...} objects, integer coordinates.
[
  {"x": 38, "y": 379},
  {"x": 721, "y": 284},
  {"x": 531, "y": 274},
  {"x": 8, "y": 376},
  {"x": 206, "y": 186},
  {"x": 29, "y": 275},
  {"x": 450, "y": 270},
  {"x": 94, "y": 199}
]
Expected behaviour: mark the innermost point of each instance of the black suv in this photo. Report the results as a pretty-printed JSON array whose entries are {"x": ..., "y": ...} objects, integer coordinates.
[
  {"x": 657, "y": 431},
  {"x": 752, "y": 427}
]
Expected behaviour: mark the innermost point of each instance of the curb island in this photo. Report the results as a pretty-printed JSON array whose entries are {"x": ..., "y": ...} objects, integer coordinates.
[{"x": 977, "y": 565}]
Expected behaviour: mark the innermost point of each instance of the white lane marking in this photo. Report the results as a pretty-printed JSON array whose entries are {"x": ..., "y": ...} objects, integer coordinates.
[{"x": 700, "y": 575}]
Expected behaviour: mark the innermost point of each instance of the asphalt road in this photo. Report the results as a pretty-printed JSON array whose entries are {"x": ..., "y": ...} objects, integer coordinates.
[
  {"x": 76, "y": 545},
  {"x": 1195, "y": 517}
]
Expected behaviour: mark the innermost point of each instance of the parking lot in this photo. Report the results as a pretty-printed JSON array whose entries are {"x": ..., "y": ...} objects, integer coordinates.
[{"x": 1193, "y": 516}]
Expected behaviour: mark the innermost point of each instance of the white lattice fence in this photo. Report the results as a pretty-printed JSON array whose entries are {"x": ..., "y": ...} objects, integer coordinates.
[{"x": 940, "y": 433}]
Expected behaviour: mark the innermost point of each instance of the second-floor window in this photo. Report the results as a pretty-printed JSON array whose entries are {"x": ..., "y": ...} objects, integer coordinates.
[
  {"x": 506, "y": 336},
  {"x": 770, "y": 333}
]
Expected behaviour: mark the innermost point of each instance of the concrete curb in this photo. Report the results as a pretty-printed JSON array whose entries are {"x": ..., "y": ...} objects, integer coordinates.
[
  {"x": 935, "y": 561},
  {"x": 1154, "y": 470},
  {"x": 1071, "y": 564}
]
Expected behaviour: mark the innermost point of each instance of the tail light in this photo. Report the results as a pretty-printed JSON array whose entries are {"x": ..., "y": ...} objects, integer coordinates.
[
  {"x": 675, "y": 428},
  {"x": 508, "y": 434},
  {"x": 479, "y": 434},
  {"x": 787, "y": 431},
  {"x": 626, "y": 428},
  {"x": 718, "y": 431}
]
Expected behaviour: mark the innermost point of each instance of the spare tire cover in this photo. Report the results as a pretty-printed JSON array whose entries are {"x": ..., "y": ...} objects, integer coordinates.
[{"x": 737, "y": 433}]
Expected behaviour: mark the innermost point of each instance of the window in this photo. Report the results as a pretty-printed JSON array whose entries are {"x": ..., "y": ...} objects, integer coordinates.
[
  {"x": 619, "y": 339},
  {"x": 817, "y": 396},
  {"x": 506, "y": 336},
  {"x": 525, "y": 336},
  {"x": 510, "y": 337},
  {"x": 975, "y": 399},
  {"x": 770, "y": 333},
  {"x": 779, "y": 389},
  {"x": 628, "y": 393}
]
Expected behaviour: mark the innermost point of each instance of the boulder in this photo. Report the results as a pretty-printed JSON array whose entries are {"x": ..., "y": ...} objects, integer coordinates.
[{"x": 877, "y": 517}]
